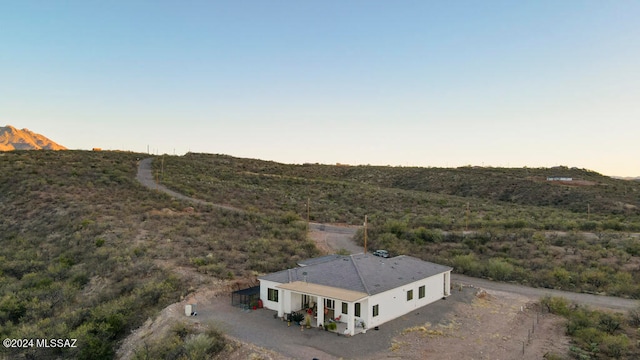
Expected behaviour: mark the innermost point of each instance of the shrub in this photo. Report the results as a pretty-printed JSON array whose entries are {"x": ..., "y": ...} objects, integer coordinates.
[
  {"x": 297, "y": 317},
  {"x": 499, "y": 269},
  {"x": 615, "y": 345},
  {"x": 556, "y": 305},
  {"x": 466, "y": 264}
]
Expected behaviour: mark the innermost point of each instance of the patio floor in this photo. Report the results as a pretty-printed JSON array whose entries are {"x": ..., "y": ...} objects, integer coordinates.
[{"x": 341, "y": 326}]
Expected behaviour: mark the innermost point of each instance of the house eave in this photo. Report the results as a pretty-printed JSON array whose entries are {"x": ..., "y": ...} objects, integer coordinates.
[{"x": 323, "y": 291}]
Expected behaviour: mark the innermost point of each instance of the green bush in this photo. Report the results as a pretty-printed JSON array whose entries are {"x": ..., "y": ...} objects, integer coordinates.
[
  {"x": 556, "y": 305},
  {"x": 596, "y": 334},
  {"x": 297, "y": 317}
]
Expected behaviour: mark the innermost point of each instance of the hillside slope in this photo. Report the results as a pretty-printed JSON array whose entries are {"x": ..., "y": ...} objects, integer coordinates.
[
  {"x": 347, "y": 193},
  {"x": 87, "y": 252},
  {"x": 537, "y": 236}
]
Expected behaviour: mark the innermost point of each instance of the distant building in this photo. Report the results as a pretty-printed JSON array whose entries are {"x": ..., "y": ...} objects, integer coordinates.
[{"x": 559, "y": 178}]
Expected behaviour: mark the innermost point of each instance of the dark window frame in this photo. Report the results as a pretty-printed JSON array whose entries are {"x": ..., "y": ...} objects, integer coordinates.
[{"x": 272, "y": 294}]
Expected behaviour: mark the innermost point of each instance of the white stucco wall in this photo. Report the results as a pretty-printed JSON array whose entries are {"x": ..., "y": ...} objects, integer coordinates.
[
  {"x": 271, "y": 305},
  {"x": 393, "y": 303}
]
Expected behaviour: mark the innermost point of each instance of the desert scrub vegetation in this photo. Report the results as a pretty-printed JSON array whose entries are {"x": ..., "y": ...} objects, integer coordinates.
[
  {"x": 87, "y": 252},
  {"x": 597, "y": 334},
  {"x": 184, "y": 342},
  {"x": 603, "y": 262},
  {"x": 502, "y": 198},
  {"x": 503, "y": 224}
]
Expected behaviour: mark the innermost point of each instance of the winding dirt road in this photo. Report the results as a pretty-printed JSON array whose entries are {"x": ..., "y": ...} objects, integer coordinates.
[{"x": 340, "y": 237}]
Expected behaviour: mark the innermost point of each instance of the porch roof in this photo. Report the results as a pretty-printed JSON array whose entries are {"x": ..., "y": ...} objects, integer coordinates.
[{"x": 324, "y": 291}]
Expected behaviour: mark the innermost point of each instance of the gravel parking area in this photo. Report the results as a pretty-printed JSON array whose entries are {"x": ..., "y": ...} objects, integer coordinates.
[{"x": 259, "y": 327}]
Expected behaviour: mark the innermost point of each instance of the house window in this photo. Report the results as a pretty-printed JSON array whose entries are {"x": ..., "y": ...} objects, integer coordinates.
[
  {"x": 357, "y": 309},
  {"x": 329, "y": 304},
  {"x": 272, "y": 295},
  {"x": 409, "y": 295},
  {"x": 375, "y": 310},
  {"x": 421, "y": 292},
  {"x": 345, "y": 308}
]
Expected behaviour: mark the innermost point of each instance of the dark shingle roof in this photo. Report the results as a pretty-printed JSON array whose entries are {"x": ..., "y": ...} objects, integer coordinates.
[
  {"x": 361, "y": 272},
  {"x": 318, "y": 260}
]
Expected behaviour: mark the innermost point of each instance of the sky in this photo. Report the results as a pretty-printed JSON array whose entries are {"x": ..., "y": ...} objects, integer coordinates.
[{"x": 379, "y": 82}]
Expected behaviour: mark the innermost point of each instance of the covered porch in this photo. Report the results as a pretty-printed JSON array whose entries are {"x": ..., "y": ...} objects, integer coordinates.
[{"x": 325, "y": 305}]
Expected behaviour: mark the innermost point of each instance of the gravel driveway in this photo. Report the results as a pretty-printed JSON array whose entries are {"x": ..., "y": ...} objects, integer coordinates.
[{"x": 259, "y": 327}]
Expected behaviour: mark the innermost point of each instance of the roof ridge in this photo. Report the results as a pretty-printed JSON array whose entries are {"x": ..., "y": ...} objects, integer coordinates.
[{"x": 364, "y": 284}]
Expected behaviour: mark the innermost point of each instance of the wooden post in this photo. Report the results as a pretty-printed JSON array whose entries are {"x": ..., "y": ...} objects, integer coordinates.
[
  {"x": 308, "y": 211},
  {"x": 365, "y": 234},
  {"x": 467, "y": 222}
]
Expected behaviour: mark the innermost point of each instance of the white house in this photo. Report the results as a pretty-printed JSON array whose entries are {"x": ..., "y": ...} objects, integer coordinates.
[{"x": 360, "y": 290}]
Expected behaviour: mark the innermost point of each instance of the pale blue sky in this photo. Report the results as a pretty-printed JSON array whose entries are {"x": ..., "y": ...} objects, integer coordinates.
[{"x": 447, "y": 83}]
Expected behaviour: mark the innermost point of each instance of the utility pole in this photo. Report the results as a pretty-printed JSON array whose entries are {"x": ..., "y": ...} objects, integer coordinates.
[
  {"x": 308, "y": 211},
  {"x": 588, "y": 212},
  {"x": 467, "y": 222},
  {"x": 365, "y": 234}
]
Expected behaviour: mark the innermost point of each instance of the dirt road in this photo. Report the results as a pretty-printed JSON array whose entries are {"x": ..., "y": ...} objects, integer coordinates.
[
  {"x": 334, "y": 238},
  {"x": 484, "y": 320},
  {"x": 145, "y": 177}
]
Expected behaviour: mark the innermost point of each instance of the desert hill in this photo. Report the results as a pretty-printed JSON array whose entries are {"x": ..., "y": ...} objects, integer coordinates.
[
  {"x": 14, "y": 139},
  {"x": 89, "y": 253}
]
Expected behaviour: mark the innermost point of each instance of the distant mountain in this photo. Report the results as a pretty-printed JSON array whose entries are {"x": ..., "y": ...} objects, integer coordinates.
[
  {"x": 637, "y": 178},
  {"x": 14, "y": 139}
]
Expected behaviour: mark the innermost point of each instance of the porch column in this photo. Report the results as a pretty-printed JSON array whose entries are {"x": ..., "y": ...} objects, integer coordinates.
[
  {"x": 447, "y": 283},
  {"x": 351, "y": 324},
  {"x": 280, "y": 303},
  {"x": 320, "y": 312}
]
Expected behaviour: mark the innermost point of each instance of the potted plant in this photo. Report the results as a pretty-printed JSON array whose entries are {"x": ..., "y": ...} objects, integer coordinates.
[{"x": 297, "y": 318}]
